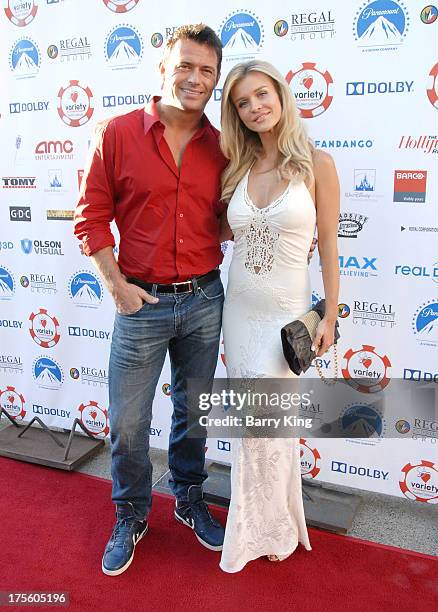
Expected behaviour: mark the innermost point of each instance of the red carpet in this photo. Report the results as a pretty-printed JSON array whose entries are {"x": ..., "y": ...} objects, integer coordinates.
[{"x": 54, "y": 526}]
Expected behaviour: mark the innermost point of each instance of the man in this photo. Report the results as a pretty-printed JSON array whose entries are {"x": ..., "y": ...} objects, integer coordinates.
[{"x": 156, "y": 171}]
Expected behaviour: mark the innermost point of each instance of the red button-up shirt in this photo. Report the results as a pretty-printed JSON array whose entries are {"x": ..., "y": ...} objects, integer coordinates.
[{"x": 168, "y": 218}]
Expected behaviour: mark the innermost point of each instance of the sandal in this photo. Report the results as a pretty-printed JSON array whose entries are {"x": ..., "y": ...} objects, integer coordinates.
[{"x": 277, "y": 558}]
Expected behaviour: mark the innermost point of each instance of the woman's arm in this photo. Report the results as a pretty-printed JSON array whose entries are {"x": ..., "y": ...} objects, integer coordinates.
[
  {"x": 327, "y": 220},
  {"x": 225, "y": 230}
]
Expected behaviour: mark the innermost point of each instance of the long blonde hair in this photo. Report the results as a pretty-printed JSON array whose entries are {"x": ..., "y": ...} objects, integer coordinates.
[{"x": 242, "y": 146}]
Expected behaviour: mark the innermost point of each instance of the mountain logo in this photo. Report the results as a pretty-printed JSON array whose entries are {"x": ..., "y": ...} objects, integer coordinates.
[
  {"x": 123, "y": 47},
  {"x": 425, "y": 323},
  {"x": 7, "y": 284},
  {"x": 362, "y": 421},
  {"x": 24, "y": 58},
  {"x": 242, "y": 35},
  {"x": 381, "y": 25},
  {"x": 85, "y": 289},
  {"x": 47, "y": 373}
]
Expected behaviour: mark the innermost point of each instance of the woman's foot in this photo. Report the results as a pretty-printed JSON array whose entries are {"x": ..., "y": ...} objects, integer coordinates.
[{"x": 276, "y": 558}]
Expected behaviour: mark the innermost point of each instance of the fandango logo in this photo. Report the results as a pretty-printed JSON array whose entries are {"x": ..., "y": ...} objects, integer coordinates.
[
  {"x": 344, "y": 144},
  {"x": 354, "y": 470},
  {"x": 97, "y": 334}
]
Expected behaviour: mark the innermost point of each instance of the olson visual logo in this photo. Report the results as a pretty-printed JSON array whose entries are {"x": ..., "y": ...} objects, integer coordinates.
[
  {"x": 75, "y": 104},
  {"x": 425, "y": 323},
  {"x": 365, "y": 370},
  {"x": 123, "y": 47},
  {"x": 120, "y": 6},
  {"x": 309, "y": 458},
  {"x": 85, "y": 289},
  {"x": 44, "y": 329},
  {"x": 13, "y": 402},
  {"x": 47, "y": 373},
  {"x": 7, "y": 284},
  {"x": 381, "y": 25},
  {"x": 311, "y": 88},
  {"x": 21, "y": 13},
  {"x": 419, "y": 481},
  {"x": 94, "y": 418},
  {"x": 24, "y": 58},
  {"x": 242, "y": 35}
]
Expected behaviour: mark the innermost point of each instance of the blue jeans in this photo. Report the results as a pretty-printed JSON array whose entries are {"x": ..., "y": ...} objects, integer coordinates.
[{"x": 188, "y": 326}]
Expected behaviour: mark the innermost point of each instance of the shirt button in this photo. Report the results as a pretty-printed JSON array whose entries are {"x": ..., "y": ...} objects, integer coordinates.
[
  {"x": 181, "y": 240},
  {"x": 181, "y": 215}
]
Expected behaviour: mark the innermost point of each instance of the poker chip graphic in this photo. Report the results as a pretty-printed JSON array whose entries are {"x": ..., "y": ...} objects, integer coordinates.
[
  {"x": 365, "y": 370},
  {"x": 120, "y": 6},
  {"x": 311, "y": 88},
  {"x": 13, "y": 402},
  {"x": 420, "y": 482},
  {"x": 44, "y": 329},
  {"x": 21, "y": 14},
  {"x": 432, "y": 92},
  {"x": 75, "y": 104},
  {"x": 94, "y": 418},
  {"x": 309, "y": 458}
]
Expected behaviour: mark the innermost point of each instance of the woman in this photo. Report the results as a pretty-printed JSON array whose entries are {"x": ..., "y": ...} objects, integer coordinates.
[{"x": 278, "y": 188}]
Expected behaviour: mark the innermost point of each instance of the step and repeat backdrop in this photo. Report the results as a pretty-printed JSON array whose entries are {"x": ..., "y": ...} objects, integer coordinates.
[{"x": 364, "y": 76}]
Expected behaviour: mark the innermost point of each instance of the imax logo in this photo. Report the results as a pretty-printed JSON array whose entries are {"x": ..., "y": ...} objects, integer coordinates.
[
  {"x": 223, "y": 445},
  {"x": 344, "y": 468},
  {"x": 363, "y": 263},
  {"x": 360, "y": 88}
]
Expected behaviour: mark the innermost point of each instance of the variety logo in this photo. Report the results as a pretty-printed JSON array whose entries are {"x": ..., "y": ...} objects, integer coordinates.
[
  {"x": 418, "y": 375},
  {"x": 13, "y": 403},
  {"x": 242, "y": 35},
  {"x": 425, "y": 323},
  {"x": 82, "y": 332},
  {"x": 54, "y": 412},
  {"x": 350, "y": 224},
  {"x": 85, "y": 289},
  {"x": 94, "y": 418},
  {"x": 11, "y": 364},
  {"x": 44, "y": 329},
  {"x": 27, "y": 107},
  {"x": 361, "y": 88},
  {"x": 365, "y": 370},
  {"x": 97, "y": 377},
  {"x": 21, "y": 13},
  {"x": 20, "y": 213},
  {"x": 362, "y": 267},
  {"x": 419, "y": 481},
  {"x": 54, "y": 149},
  {"x": 381, "y": 25},
  {"x": 75, "y": 104},
  {"x": 24, "y": 58},
  {"x": 123, "y": 47},
  {"x": 410, "y": 185},
  {"x": 19, "y": 182},
  {"x": 7, "y": 284},
  {"x": 39, "y": 283},
  {"x": 430, "y": 272},
  {"x": 311, "y": 88},
  {"x": 355, "y": 470},
  {"x": 369, "y": 313},
  {"x": 309, "y": 458},
  {"x": 427, "y": 144},
  {"x": 429, "y": 14},
  {"x": 110, "y": 101},
  {"x": 41, "y": 247},
  {"x": 69, "y": 49},
  {"x": 307, "y": 26},
  {"x": 47, "y": 373},
  {"x": 224, "y": 445},
  {"x": 432, "y": 91},
  {"x": 120, "y": 6},
  {"x": 364, "y": 422},
  {"x": 344, "y": 144}
]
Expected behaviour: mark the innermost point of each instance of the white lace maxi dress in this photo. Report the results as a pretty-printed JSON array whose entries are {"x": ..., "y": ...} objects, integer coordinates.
[{"x": 268, "y": 286}]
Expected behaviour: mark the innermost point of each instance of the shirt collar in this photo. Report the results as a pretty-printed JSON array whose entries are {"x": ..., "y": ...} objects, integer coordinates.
[{"x": 151, "y": 116}]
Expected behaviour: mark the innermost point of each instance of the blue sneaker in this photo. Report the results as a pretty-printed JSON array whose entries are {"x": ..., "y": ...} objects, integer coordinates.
[
  {"x": 195, "y": 514},
  {"x": 119, "y": 552}
]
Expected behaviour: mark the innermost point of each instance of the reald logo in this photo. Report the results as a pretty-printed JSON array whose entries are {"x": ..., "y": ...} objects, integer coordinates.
[{"x": 354, "y": 470}]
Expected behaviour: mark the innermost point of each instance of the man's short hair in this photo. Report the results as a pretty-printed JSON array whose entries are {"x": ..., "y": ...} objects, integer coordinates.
[{"x": 199, "y": 33}]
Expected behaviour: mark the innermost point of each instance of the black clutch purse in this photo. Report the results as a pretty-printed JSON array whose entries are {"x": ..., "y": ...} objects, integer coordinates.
[{"x": 297, "y": 338}]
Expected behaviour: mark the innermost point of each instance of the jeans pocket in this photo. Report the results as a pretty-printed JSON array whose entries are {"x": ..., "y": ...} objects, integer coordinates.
[
  {"x": 212, "y": 291},
  {"x": 132, "y": 314}
]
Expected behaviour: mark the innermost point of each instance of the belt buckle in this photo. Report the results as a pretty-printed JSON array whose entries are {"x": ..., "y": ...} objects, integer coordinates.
[{"x": 176, "y": 285}]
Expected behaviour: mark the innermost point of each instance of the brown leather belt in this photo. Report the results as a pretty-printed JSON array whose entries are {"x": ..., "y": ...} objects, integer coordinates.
[{"x": 184, "y": 287}]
